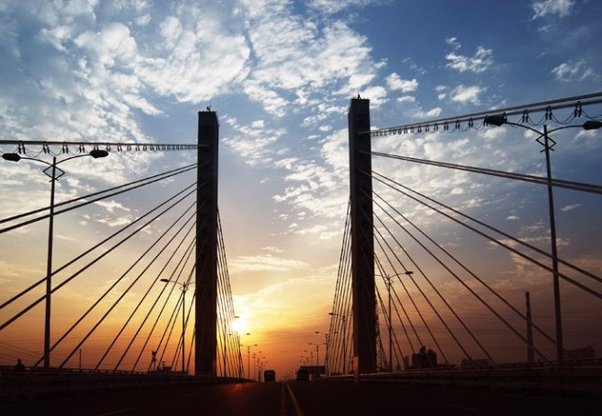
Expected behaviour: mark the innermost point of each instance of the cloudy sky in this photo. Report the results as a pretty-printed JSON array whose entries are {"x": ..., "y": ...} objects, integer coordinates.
[{"x": 280, "y": 75}]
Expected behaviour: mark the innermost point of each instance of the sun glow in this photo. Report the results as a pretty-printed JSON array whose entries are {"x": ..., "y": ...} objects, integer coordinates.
[{"x": 240, "y": 324}]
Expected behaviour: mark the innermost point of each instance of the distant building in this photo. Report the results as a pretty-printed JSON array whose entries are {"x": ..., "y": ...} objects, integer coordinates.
[
  {"x": 586, "y": 353},
  {"x": 476, "y": 363},
  {"x": 424, "y": 358}
]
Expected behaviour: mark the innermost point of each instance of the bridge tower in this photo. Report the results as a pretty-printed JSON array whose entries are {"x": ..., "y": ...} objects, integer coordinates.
[
  {"x": 362, "y": 238},
  {"x": 206, "y": 246}
]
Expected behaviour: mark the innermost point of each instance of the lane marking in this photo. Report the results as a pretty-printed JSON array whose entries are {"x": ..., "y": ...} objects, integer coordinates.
[
  {"x": 298, "y": 410},
  {"x": 283, "y": 401}
]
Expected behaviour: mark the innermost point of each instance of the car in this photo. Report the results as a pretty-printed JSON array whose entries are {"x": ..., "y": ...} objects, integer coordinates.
[{"x": 269, "y": 376}]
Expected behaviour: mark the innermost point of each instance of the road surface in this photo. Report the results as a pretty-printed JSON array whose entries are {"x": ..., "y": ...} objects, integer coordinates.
[{"x": 302, "y": 399}]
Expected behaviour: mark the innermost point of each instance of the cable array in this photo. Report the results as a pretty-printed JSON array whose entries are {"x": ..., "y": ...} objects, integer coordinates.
[
  {"x": 137, "y": 302},
  {"x": 419, "y": 278},
  {"x": 393, "y": 262},
  {"x": 338, "y": 345},
  {"x": 228, "y": 338}
]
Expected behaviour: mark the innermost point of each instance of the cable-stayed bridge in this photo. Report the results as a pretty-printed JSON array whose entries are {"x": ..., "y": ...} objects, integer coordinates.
[
  {"x": 411, "y": 268},
  {"x": 405, "y": 298},
  {"x": 176, "y": 247}
]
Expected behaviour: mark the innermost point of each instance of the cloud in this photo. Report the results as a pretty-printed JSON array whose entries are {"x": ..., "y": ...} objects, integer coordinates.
[
  {"x": 273, "y": 249},
  {"x": 323, "y": 231},
  {"x": 253, "y": 142},
  {"x": 480, "y": 62},
  {"x": 441, "y": 92},
  {"x": 561, "y": 8},
  {"x": 466, "y": 94},
  {"x": 396, "y": 83},
  {"x": 111, "y": 206},
  {"x": 83, "y": 84},
  {"x": 405, "y": 99},
  {"x": 197, "y": 55},
  {"x": 317, "y": 187},
  {"x": 265, "y": 262},
  {"x": 453, "y": 42},
  {"x": 143, "y": 20},
  {"x": 433, "y": 112},
  {"x": 9, "y": 37},
  {"x": 297, "y": 61},
  {"x": 573, "y": 71},
  {"x": 376, "y": 94},
  {"x": 112, "y": 45},
  {"x": 114, "y": 221},
  {"x": 336, "y": 6},
  {"x": 570, "y": 207},
  {"x": 277, "y": 305}
]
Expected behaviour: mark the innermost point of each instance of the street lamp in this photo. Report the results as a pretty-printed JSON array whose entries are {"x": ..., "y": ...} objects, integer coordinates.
[
  {"x": 344, "y": 319},
  {"x": 226, "y": 350},
  {"x": 317, "y": 344},
  {"x": 548, "y": 144},
  {"x": 389, "y": 283},
  {"x": 184, "y": 287},
  {"x": 249, "y": 358},
  {"x": 259, "y": 364},
  {"x": 54, "y": 173},
  {"x": 255, "y": 360}
]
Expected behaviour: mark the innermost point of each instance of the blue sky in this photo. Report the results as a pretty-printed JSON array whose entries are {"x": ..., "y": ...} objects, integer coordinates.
[{"x": 280, "y": 75}]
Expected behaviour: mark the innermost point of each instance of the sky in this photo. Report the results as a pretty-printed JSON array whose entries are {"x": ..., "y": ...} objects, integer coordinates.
[{"x": 280, "y": 75}]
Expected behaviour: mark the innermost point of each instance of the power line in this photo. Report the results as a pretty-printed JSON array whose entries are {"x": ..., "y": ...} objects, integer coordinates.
[{"x": 455, "y": 123}]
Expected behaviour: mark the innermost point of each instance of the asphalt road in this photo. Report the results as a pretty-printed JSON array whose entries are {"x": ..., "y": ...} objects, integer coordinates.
[{"x": 308, "y": 399}]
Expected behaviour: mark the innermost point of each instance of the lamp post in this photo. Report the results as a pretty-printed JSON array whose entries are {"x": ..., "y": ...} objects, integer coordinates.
[
  {"x": 327, "y": 336},
  {"x": 344, "y": 319},
  {"x": 184, "y": 287},
  {"x": 226, "y": 335},
  {"x": 249, "y": 359},
  {"x": 548, "y": 144},
  {"x": 54, "y": 173},
  {"x": 389, "y": 283},
  {"x": 255, "y": 361},
  {"x": 317, "y": 344},
  {"x": 259, "y": 364}
]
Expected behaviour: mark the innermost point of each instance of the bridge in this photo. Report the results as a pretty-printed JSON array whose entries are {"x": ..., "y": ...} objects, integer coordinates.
[{"x": 402, "y": 322}]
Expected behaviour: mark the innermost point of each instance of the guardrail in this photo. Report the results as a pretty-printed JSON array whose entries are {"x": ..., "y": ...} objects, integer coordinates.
[
  {"x": 573, "y": 381},
  {"x": 36, "y": 384}
]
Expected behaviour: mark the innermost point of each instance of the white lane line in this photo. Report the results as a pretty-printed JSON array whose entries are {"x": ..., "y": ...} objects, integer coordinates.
[
  {"x": 283, "y": 401},
  {"x": 115, "y": 412},
  {"x": 298, "y": 410}
]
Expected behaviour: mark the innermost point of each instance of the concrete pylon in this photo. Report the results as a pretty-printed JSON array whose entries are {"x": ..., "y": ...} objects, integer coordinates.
[
  {"x": 206, "y": 246},
  {"x": 362, "y": 237}
]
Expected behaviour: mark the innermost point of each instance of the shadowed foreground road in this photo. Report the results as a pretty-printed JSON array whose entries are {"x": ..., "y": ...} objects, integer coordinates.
[{"x": 280, "y": 399}]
